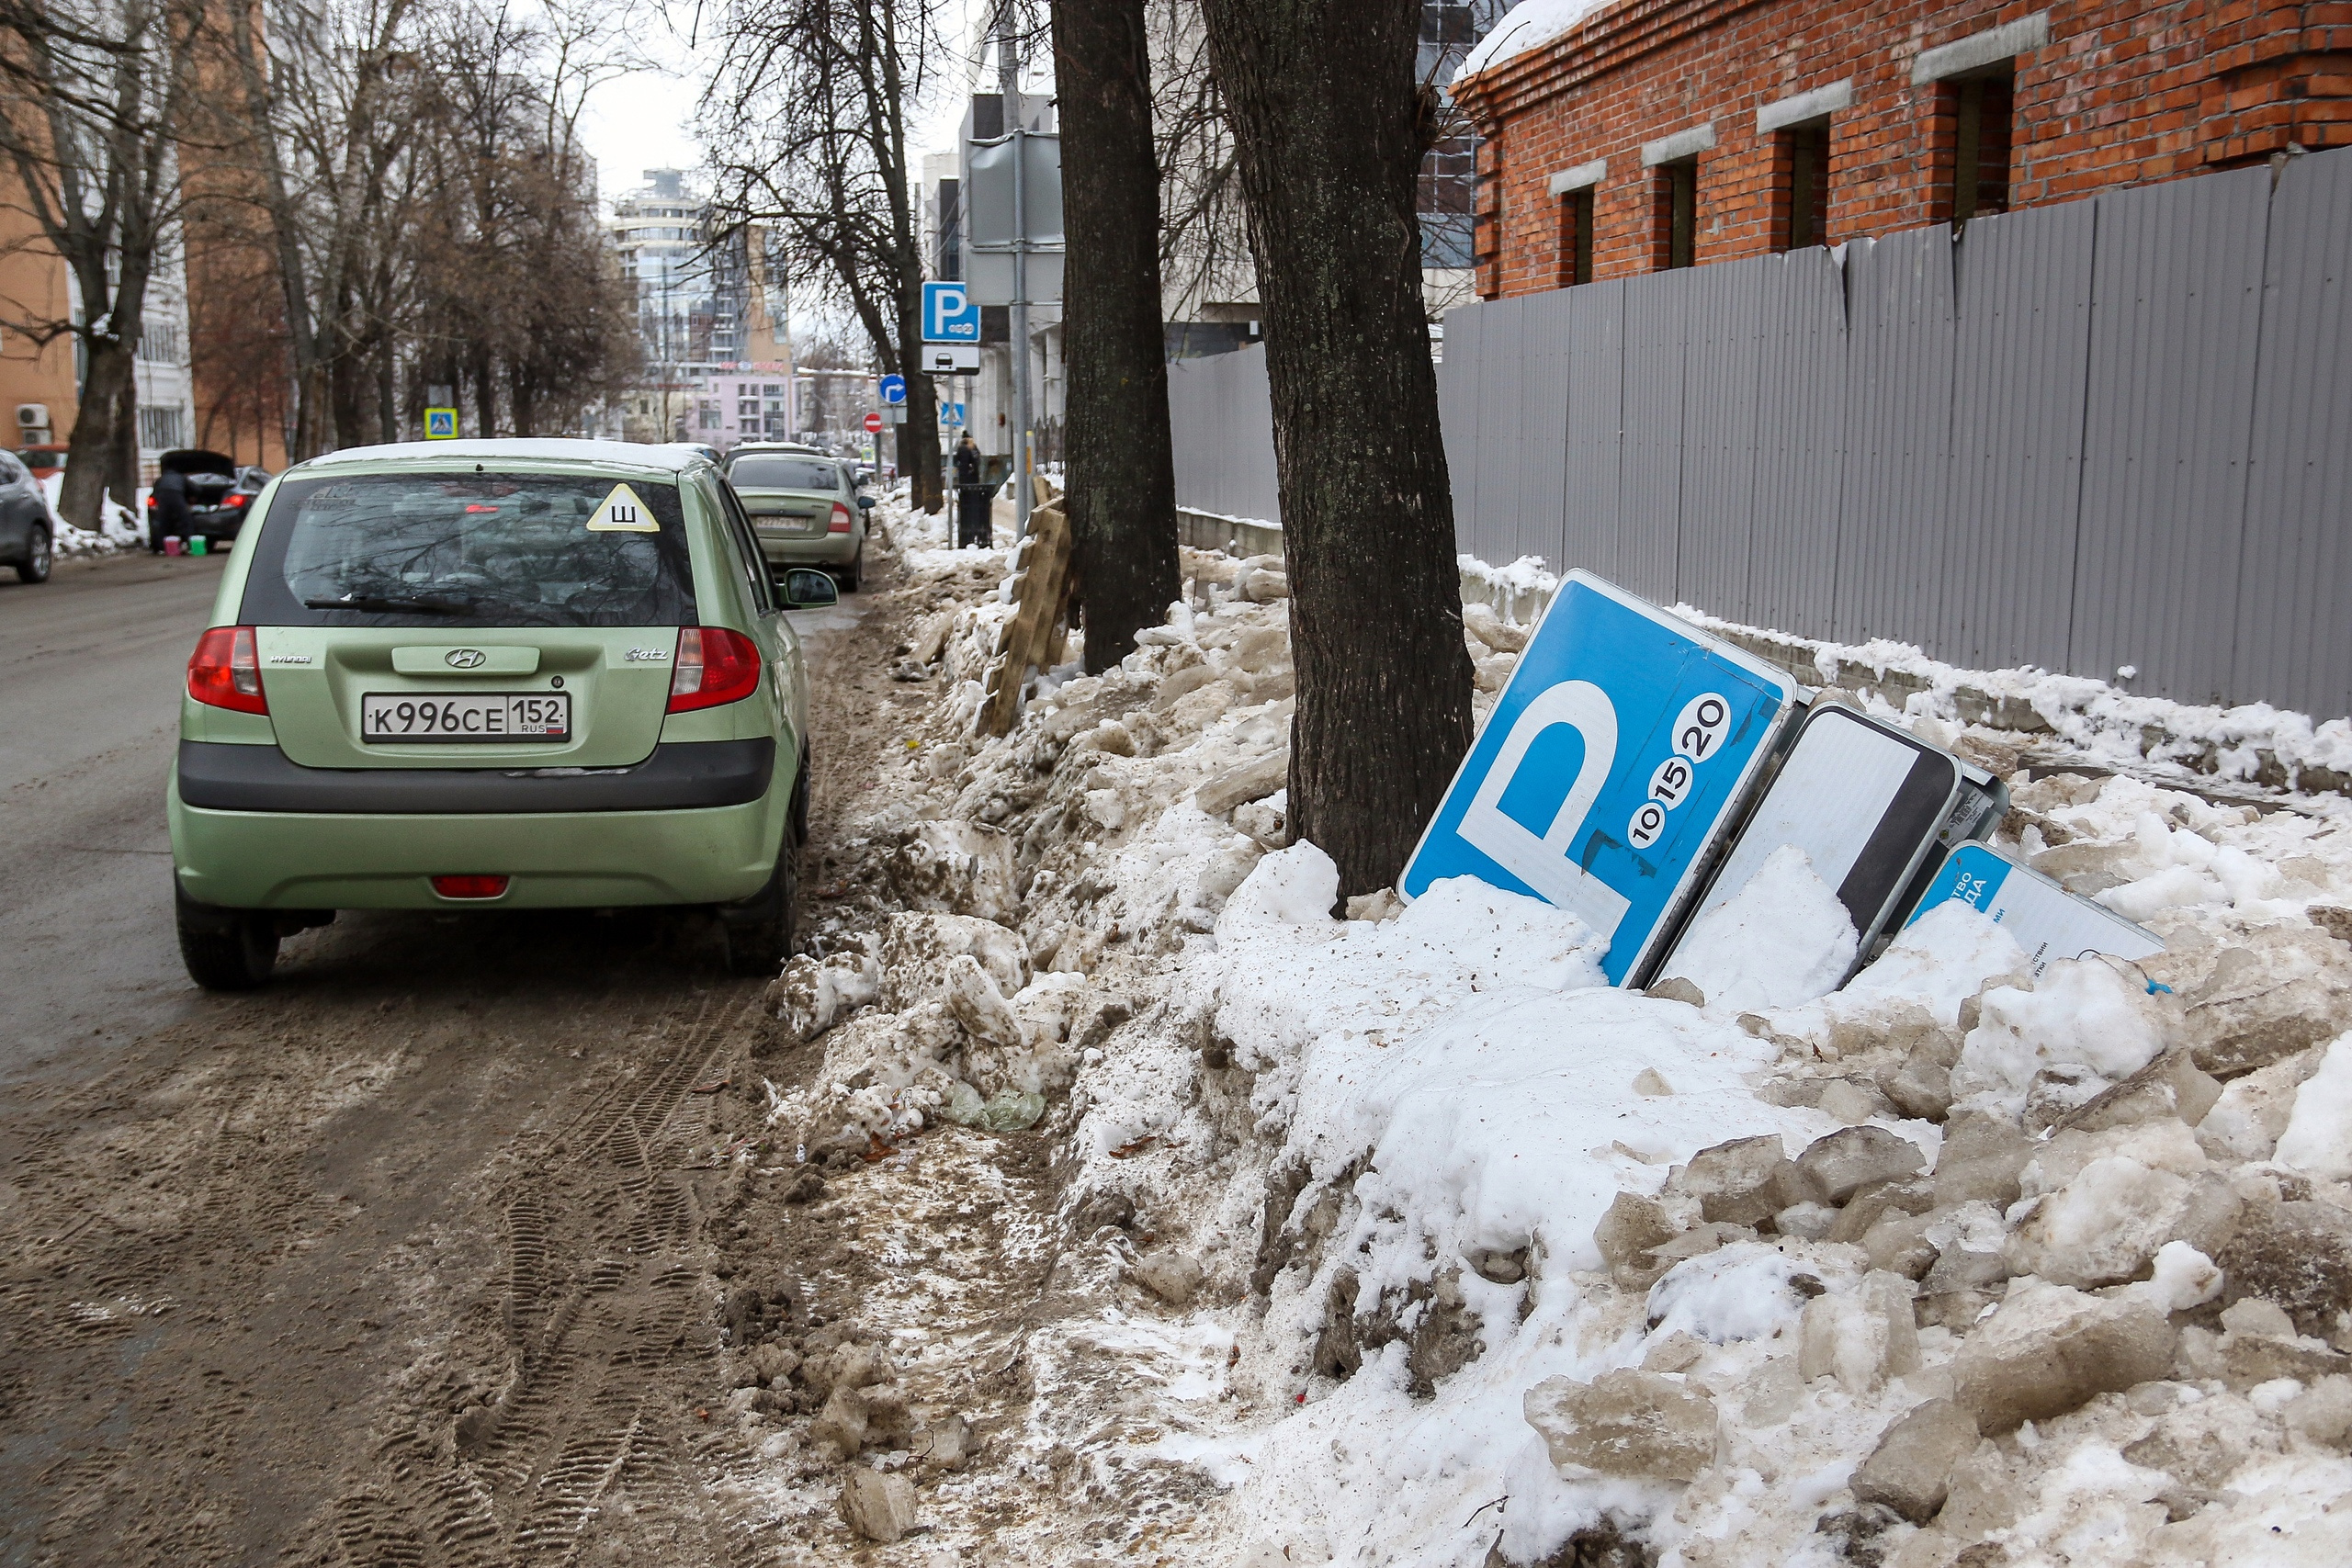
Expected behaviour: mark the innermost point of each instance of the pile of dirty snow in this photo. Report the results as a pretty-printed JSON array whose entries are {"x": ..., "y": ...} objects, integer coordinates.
[{"x": 1479, "y": 1260}]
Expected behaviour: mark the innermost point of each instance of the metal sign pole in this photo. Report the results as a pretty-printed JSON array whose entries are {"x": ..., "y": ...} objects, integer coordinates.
[{"x": 1007, "y": 77}]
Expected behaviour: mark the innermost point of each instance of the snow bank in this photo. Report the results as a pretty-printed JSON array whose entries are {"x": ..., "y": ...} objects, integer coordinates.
[{"x": 1452, "y": 1255}]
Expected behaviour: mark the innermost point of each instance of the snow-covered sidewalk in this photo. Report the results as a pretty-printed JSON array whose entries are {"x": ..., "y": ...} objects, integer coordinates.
[{"x": 1402, "y": 1239}]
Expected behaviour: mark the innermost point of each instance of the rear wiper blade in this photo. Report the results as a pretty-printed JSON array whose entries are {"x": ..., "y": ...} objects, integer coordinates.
[{"x": 388, "y": 604}]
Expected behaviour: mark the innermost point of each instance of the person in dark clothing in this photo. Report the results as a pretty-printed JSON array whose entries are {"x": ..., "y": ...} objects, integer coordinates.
[
  {"x": 975, "y": 529},
  {"x": 169, "y": 515}
]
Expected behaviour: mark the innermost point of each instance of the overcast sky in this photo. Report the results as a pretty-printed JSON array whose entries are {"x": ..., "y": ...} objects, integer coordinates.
[{"x": 644, "y": 120}]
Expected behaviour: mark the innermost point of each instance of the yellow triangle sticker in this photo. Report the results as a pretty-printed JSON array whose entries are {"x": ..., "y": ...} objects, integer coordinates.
[{"x": 622, "y": 512}]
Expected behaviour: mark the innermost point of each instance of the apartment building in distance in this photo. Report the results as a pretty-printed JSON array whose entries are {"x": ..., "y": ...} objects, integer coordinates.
[
  {"x": 1638, "y": 135},
  {"x": 717, "y": 366}
]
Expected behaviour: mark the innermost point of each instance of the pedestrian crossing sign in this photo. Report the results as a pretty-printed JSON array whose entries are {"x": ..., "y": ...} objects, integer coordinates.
[{"x": 440, "y": 424}]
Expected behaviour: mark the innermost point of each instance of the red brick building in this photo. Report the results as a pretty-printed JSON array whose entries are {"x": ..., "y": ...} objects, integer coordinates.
[{"x": 1661, "y": 133}]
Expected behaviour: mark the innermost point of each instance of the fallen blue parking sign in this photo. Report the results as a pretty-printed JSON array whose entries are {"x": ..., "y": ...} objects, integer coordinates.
[
  {"x": 1616, "y": 757},
  {"x": 948, "y": 314},
  {"x": 2047, "y": 922}
]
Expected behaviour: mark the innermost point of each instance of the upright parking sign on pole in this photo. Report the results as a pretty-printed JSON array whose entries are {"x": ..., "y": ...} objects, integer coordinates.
[{"x": 1618, "y": 755}]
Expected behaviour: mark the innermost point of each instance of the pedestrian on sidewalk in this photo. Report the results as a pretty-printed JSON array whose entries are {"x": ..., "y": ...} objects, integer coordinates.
[
  {"x": 169, "y": 517},
  {"x": 975, "y": 528}
]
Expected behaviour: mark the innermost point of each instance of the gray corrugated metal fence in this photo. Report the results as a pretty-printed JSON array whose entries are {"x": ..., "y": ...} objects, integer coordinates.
[
  {"x": 1222, "y": 416},
  {"x": 2112, "y": 432}
]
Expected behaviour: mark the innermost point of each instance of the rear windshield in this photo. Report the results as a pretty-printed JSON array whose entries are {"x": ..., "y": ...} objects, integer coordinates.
[
  {"x": 784, "y": 473},
  {"x": 469, "y": 549}
]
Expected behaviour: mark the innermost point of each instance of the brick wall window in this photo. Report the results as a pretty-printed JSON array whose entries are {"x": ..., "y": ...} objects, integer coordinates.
[
  {"x": 1801, "y": 185},
  {"x": 1982, "y": 106},
  {"x": 1576, "y": 237},
  {"x": 1675, "y": 213}
]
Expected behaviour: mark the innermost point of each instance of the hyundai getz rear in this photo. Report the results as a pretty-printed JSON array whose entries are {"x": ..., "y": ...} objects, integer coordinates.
[{"x": 491, "y": 675}]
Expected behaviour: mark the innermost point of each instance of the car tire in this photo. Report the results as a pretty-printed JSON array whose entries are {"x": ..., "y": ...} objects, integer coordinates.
[
  {"x": 226, "y": 950},
  {"x": 39, "y": 553},
  {"x": 856, "y": 572},
  {"x": 759, "y": 929},
  {"x": 798, "y": 824}
]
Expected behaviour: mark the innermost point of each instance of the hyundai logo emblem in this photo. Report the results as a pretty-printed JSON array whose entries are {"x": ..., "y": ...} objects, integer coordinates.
[{"x": 467, "y": 658}]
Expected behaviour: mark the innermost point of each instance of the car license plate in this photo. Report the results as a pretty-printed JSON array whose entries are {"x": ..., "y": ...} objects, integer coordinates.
[
  {"x": 787, "y": 523},
  {"x": 475, "y": 715}
]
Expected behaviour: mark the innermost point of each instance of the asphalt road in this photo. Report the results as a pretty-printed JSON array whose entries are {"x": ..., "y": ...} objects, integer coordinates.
[
  {"x": 259, "y": 1253},
  {"x": 90, "y": 669}
]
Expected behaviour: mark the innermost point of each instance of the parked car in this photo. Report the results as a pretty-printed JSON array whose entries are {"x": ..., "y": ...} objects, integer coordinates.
[
  {"x": 491, "y": 675},
  {"x": 805, "y": 510},
  {"x": 44, "y": 459},
  {"x": 219, "y": 495},
  {"x": 24, "y": 536}
]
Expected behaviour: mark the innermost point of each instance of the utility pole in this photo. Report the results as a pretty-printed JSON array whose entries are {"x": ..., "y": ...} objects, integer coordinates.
[{"x": 1007, "y": 65}]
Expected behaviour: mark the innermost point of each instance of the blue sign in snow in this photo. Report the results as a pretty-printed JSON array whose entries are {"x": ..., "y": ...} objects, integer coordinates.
[
  {"x": 948, "y": 314},
  {"x": 894, "y": 391},
  {"x": 2047, "y": 922},
  {"x": 1612, "y": 761}
]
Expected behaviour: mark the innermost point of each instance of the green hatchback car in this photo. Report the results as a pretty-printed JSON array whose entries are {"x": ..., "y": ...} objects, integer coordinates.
[
  {"x": 806, "y": 509},
  {"x": 516, "y": 675}
]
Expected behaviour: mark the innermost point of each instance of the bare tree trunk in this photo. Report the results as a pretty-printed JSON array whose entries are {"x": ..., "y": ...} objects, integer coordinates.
[
  {"x": 89, "y": 466},
  {"x": 122, "y": 457},
  {"x": 1322, "y": 100},
  {"x": 1122, "y": 467},
  {"x": 388, "y": 414}
]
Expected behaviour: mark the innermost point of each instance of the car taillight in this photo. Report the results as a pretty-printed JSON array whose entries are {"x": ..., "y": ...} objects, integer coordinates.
[
  {"x": 714, "y": 666},
  {"x": 470, "y": 886},
  {"x": 151, "y": 503},
  {"x": 239, "y": 499},
  {"x": 223, "y": 673},
  {"x": 840, "y": 519}
]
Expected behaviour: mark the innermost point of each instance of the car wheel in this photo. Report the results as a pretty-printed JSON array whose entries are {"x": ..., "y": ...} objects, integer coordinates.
[
  {"x": 856, "y": 572},
  {"x": 34, "y": 567},
  {"x": 798, "y": 825},
  {"x": 759, "y": 929},
  {"x": 226, "y": 950}
]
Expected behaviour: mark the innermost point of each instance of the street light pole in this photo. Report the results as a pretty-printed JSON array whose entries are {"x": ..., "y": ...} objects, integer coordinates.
[{"x": 1007, "y": 79}]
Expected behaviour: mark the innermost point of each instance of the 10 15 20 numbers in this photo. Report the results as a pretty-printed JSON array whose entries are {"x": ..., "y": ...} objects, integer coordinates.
[{"x": 1698, "y": 731}]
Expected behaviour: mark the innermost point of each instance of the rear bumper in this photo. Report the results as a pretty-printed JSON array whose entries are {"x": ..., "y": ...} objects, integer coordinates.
[
  {"x": 828, "y": 549},
  {"x": 680, "y": 776},
  {"x": 285, "y": 860}
]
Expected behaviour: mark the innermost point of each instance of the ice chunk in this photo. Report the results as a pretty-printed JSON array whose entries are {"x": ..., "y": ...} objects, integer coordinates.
[
  {"x": 2049, "y": 1348},
  {"x": 1980, "y": 1159},
  {"x": 1296, "y": 886},
  {"x": 2287, "y": 990},
  {"x": 1737, "y": 1182},
  {"x": 1834, "y": 1168},
  {"x": 2318, "y": 1138},
  {"x": 1632, "y": 1226},
  {"x": 1173, "y": 1276},
  {"x": 1910, "y": 1470},
  {"x": 1782, "y": 940},
  {"x": 2082, "y": 1013},
  {"x": 1741, "y": 1291},
  {"x": 1860, "y": 1337},
  {"x": 2170, "y": 1085},
  {"x": 878, "y": 1507},
  {"x": 1625, "y": 1422},
  {"x": 2103, "y": 1225},
  {"x": 2246, "y": 1123}
]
